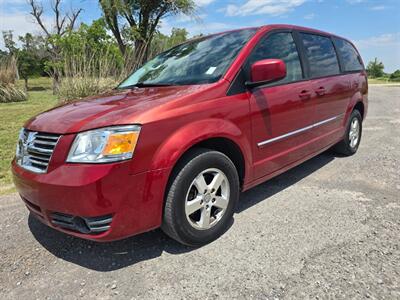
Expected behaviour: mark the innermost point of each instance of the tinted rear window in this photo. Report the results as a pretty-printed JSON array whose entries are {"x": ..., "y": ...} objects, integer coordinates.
[
  {"x": 321, "y": 55},
  {"x": 349, "y": 57}
]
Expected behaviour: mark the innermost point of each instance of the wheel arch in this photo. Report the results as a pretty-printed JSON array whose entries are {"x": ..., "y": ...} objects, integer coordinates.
[
  {"x": 356, "y": 102},
  {"x": 215, "y": 134},
  {"x": 360, "y": 107}
]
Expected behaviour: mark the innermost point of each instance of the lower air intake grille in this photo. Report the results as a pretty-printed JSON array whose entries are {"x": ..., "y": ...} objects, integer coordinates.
[{"x": 93, "y": 225}]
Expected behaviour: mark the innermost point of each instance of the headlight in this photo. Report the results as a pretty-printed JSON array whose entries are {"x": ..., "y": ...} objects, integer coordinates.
[{"x": 104, "y": 145}]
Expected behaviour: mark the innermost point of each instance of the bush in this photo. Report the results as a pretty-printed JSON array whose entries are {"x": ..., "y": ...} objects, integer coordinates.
[
  {"x": 9, "y": 92},
  {"x": 12, "y": 93},
  {"x": 8, "y": 70}
]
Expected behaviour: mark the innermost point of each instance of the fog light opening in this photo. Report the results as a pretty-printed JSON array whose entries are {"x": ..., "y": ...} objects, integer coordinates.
[{"x": 80, "y": 225}]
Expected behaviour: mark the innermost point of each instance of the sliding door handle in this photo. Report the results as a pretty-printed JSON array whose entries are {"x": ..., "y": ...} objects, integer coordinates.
[
  {"x": 305, "y": 94},
  {"x": 320, "y": 91}
]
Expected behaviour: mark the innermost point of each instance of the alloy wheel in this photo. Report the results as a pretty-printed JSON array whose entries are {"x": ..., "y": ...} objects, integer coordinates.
[
  {"x": 354, "y": 133},
  {"x": 207, "y": 199}
]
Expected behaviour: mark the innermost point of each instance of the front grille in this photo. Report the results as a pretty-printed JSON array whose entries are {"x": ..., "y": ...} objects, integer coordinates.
[
  {"x": 93, "y": 225},
  {"x": 34, "y": 150}
]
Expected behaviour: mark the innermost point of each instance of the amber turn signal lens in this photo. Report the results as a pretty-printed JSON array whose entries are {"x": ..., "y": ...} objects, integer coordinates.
[{"x": 119, "y": 143}]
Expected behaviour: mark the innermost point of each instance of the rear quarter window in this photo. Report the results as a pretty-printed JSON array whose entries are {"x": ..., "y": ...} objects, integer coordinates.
[
  {"x": 350, "y": 59},
  {"x": 321, "y": 55}
]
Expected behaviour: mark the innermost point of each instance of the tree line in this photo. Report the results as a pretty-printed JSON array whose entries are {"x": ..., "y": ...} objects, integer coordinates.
[{"x": 375, "y": 69}]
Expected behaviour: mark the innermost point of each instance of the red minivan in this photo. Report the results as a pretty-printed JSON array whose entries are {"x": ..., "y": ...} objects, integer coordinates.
[{"x": 176, "y": 142}]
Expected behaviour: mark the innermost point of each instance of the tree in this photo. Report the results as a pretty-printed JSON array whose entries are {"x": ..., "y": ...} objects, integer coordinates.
[
  {"x": 135, "y": 21},
  {"x": 31, "y": 57},
  {"x": 92, "y": 38},
  {"x": 375, "y": 68},
  {"x": 63, "y": 24},
  {"x": 395, "y": 76}
]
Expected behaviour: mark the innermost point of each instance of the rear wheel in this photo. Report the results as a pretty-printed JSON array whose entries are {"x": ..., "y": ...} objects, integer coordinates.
[
  {"x": 201, "y": 198},
  {"x": 349, "y": 145}
]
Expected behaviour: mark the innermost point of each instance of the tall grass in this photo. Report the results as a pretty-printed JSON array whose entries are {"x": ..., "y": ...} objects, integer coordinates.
[
  {"x": 9, "y": 92},
  {"x": 86, "y": 74}
]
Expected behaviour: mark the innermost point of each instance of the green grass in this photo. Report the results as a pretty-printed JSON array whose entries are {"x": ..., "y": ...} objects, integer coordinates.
[
  {"x": 13, "y": 116},
  {"x": 380, "y": 80}
]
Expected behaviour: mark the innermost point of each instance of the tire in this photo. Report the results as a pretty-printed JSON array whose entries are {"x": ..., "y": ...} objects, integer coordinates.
[
  {"x": 185, "y": 194},
  {"x": 349, "y": 145}
]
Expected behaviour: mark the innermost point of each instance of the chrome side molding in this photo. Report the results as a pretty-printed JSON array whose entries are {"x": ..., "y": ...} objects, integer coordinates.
[{"x": 289, "y": 134}]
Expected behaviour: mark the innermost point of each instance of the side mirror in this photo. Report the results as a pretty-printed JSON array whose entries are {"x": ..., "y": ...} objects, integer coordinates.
[{"x": 266, "y": 71}]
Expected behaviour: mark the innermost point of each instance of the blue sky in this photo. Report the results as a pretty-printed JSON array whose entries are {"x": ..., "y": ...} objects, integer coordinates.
[{"x": 373, "y": 25}]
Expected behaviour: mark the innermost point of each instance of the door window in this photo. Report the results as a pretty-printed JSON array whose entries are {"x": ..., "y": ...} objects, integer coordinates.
[
  {"x": 348, "y": 55},
  {"x": 279, "y": 46},
  {"x": 321, "y": 55}
]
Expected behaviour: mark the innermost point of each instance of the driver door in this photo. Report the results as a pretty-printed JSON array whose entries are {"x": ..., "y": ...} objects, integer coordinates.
[{"x": 281, "y": 112}]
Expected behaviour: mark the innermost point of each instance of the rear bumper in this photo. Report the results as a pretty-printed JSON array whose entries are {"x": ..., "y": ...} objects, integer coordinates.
[{"x": 93, "y": 192}]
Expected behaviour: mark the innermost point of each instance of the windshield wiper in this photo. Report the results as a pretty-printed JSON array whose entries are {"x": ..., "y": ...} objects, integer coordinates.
[{"x": 145, "y": 84}]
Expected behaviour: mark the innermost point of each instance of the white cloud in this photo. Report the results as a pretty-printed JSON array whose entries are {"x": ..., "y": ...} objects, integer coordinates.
[
  {"x": 355, "y": 1},
  {"x": 260, "y": 7},
  {"x": 309, "y": 16},
  {"x": 378, "y": 7},
  {"x": 386, "y": 47},
  {"x": 203, "y": 2},
  {"x": 20, "y": 23},
  {"x": 383, "y": 40}
]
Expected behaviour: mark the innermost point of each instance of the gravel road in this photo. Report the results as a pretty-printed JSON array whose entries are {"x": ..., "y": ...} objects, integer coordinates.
[{"x": 329, "y": 228}]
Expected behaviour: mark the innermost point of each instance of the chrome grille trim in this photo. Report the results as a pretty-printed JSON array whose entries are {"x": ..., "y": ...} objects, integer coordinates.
[{"x": 35, "y": 149}]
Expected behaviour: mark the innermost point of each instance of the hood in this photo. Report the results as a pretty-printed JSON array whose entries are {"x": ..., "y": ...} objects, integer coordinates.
[{"x": 117, "y": 107}]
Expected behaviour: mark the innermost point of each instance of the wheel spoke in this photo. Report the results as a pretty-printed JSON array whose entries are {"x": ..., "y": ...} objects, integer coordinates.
[
  {"x": 221, "y": 202},
  {"x": 205, "y": 218},
  {"x": 200, "y": 184},
  {"x": 193, "y": 205},
  {"x": 216, "y": 182}
]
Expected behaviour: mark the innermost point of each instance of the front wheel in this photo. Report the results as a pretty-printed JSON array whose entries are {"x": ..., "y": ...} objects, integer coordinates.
[
  {"x": 351, "y": 140},
  {"x": 201, "y": 198}
]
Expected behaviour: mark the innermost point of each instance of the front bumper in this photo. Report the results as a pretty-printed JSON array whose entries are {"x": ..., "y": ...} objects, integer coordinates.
[{"x": 95, "y": 192}]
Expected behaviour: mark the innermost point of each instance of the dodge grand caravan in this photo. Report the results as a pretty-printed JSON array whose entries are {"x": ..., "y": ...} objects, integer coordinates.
[{"x": 176, "y": 142}]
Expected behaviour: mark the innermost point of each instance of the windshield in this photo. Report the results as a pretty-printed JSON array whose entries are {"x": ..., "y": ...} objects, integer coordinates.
[{"x": 200, "y": 61}]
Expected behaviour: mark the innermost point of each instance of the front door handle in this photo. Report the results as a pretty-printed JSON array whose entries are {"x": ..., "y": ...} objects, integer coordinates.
[
  {"x": 320, "y": 91},
  {"x": 305, "y": 94}
]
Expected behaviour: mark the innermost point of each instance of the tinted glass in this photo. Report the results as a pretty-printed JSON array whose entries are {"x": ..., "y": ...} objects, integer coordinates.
[
  {"x": 350, "y": 59},
  {"x": 199, "y": 61},
  {"x": 321, "y": 55},
  {"x": 279, "y": 46}
]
